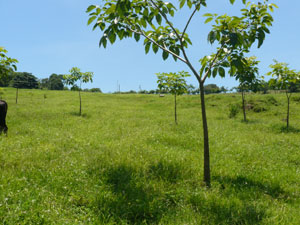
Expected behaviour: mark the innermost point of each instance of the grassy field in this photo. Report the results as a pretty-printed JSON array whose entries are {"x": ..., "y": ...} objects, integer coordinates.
[{"x": 126, "y": 162}]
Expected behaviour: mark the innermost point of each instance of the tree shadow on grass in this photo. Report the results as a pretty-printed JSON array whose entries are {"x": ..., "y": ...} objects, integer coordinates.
[
  {"x": 230, "y": 212},
  {"x": 131, "y": 198},
  {"x": 280, "y": 128},
  {"x": 242, "y": 184},
  {"x": 84, "y": 115}
]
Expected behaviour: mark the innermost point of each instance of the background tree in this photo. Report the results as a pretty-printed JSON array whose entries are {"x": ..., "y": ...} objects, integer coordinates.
[
  {"x": 55, "y": 82},
  {"x": 44, "y": 83},
  {"x": 285, "y": 79},
  {"x": 24, "y": 80},
  {"x": 173, "y": 83},
  {"x": 7, "y": 68},
  {"x": 150, "y": 19},
  {"x": 77, "y": 76},
  {"x": 247, "y": 78},
  {"x": 211, "y": 89}
]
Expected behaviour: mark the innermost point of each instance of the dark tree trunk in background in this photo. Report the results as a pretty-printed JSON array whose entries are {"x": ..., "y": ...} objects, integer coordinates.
[
  {"x": 244, "y": 107},
  {"x": 288, "y": 110},
  {"x": 175, "y": 110},
  {"x": 17, "y": 93},
  {"x": 79, "y": 103},
  {"x": 205, "y": 134}
]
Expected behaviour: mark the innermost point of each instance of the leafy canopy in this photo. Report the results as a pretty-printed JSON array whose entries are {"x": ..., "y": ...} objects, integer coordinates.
[
  {"x": 151, "y": 19},
  {"x": 248, "y": 77},
  {"x": 76, "y": 75},
  {"x": 173, "y": 83},
  {"x": 285, "y": 77},
  {"x": 7, "y": 64}
]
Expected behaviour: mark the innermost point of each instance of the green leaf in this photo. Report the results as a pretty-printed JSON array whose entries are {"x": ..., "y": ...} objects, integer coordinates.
[
  {"x": 182, "y": 2},
  {"x": 232, "y": 1},
  {"x": 91, "y": 19},
  {"x": 112, "y": 37},
  {"x": 147, "y": 47},
  {"x": 154, "y": 48},
  {"x": 215, "y": 72},
  {"x": 208, "y": 19},
  {"x": 137, "y": 37},
  {"x": 90, "y": 8},
  {"x": 211, "y": 37},
  {"x": 143, "y": 22},
  {"x": 221, "y": 72},
  {"x": 158, "y": 18},
  {"x": 165, "y": 55},
  {"x": 261, "y": 37},
  {"x": 208, "y": 14}
]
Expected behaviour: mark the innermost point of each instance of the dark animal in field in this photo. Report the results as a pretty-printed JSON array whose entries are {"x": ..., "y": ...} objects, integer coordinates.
[{"x": 3, "y": 112}]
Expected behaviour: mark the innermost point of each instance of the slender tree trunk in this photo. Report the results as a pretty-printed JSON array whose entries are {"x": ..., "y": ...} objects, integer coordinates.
[
  {"x": 205, "y": 134},
  {"x": 17, "y": 93},
  {"x": 79, "y": 103},
  {"x": 244, "y": 108},
  {"x": 175, "y": 109},
  {"x": 288, "y": 110}
]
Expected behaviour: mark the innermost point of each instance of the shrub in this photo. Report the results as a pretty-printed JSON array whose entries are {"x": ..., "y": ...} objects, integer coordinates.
[
  {"x": 296, "y": 98},
  {"x": 271, "y": 100},
  {"x": 233, "y": 110}
]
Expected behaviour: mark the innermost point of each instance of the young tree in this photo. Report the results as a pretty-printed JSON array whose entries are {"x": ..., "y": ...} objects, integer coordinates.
[
  {"x": 7, "y": 67},
  {"x": 24, "y": 80},
  {"x": 285, "y": 78},
  {"x": 247, "y": 78},
  {"x": 75, "y": 76},
  {"x": 151, "y": 19},
  {"x": 173, "y": 83}
]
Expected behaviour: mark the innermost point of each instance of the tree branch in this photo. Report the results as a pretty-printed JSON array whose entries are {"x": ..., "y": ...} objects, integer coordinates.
[
  {"x": 179, "y": 38},
  {"x": 188, "y": 22},
  {"x": 164, "y": 48},
  {"x": 212, "y": 64}
]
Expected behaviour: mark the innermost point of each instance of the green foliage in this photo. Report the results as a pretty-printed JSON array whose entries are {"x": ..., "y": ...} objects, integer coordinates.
[
  {"x": 95, "y": 90},
  {"x": 55, "y": 82},
  {"x": 234, "y": 110},
  {"x": 285, "y": 77},
  {"x": 25, "y": 80},
  {"x": 173, "y": 83},
  {"x": 235, "y": 36},
  {"x": 76, "y": 75},
  {"x": 7, "y": 67},
  {"x": 211, "y": 89}
]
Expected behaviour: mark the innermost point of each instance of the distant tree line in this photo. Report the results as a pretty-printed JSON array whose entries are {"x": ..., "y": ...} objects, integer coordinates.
[
  {"x": 190, "y": 89},
  {"x": 29, "y": 81}
]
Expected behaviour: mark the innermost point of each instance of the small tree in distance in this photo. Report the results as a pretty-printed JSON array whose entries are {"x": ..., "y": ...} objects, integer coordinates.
[
  {"x": 151, "y": 19},
  {"x": 77, "y": 76},
  {"x": 285, "y": 78},
  {"x": 247, "y": 79},
  {"x": 173, "y": 83}
]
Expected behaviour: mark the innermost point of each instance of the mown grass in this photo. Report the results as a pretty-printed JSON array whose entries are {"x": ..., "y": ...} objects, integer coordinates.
[{"x": 126, "y": 162}]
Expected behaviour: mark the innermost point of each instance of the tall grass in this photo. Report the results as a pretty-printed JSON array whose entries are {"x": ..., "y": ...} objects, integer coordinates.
[{"x": 124, "y": 161}]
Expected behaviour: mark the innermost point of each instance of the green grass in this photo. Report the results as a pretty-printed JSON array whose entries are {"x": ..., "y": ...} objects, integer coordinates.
[{"x": 126, "y": 162}]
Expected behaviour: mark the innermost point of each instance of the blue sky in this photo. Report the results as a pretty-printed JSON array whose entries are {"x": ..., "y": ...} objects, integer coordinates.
[{"x": 51, "y": 36}]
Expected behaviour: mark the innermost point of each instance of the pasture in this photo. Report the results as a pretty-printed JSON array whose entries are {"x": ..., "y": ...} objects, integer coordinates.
[{"x": 124, "y": 161}]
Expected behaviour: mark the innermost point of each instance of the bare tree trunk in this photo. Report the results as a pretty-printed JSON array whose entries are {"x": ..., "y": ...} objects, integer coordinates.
[
  {"x": 175, "y": 109},
  {"x": 244, "y": 108},
  {"x": 205, "y": 134},
  {"x": 79, "y": 103},
  {"x": 17, "y": 93},
  {"x": 288, "y": 110}
]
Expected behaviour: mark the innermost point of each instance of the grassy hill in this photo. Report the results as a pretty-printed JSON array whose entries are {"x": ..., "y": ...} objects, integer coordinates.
[{"x": 126, "y": 162}]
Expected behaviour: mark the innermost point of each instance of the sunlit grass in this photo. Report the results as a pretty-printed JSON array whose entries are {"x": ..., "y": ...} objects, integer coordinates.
[{"x": 126, "y": 162}]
